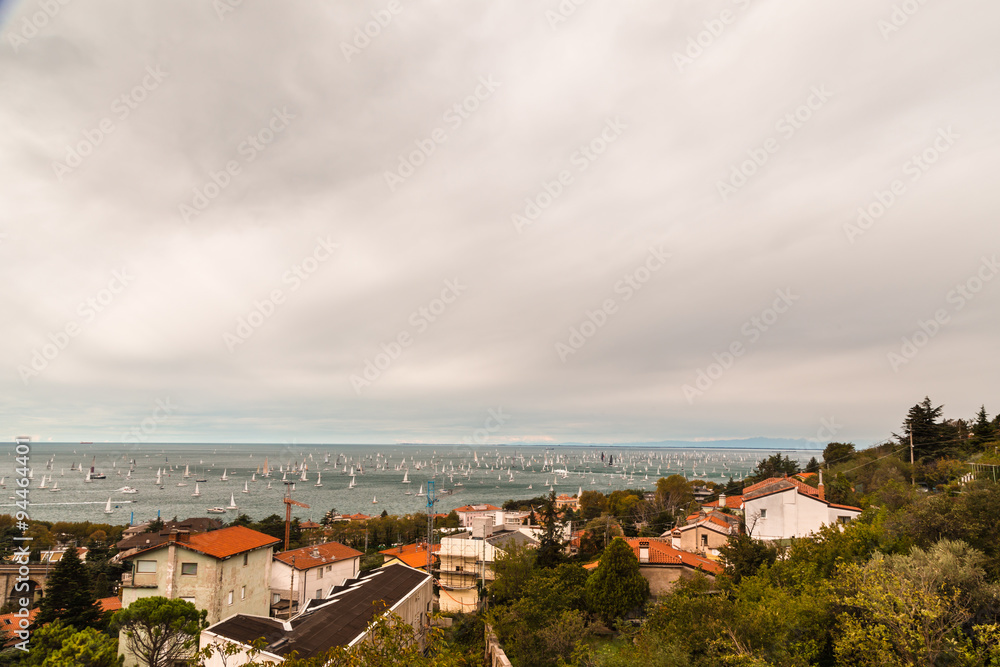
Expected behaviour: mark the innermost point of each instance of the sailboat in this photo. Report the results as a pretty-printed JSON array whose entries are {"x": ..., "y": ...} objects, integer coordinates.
[
  {"x": 55, "y": 488},
  {"x": 187, "y": 472},
  {"x": 421, "y": 494},
  {"x": 374, "y": 500},
  {"x": 107, "y": 507},
  {"x": 225, "y": 477},
  {"x": 253, "y": 478},
  {"x": 319, "y": 479},
  {"x": 197, "y": 491},
  {"x": 232, "y": 502},
  {"x": 406, "y": 477},
  {"x": 246, "y": 488},
  {"x": 269, "y": 484},
  {"x": 87, "y": 479},
  {"x": 352, "y": 484}
]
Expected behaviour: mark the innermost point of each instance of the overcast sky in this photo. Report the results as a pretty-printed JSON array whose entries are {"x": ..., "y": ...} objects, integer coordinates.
[{"x": 215, "y": 218}]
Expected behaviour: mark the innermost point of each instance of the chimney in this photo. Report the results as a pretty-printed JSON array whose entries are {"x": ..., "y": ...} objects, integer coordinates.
[
  {"x": 722, "y": 500},
  {"x": 172, "y": 537},
  {"x": 643, "y": 551},
  {"x": 822, "y": 491}
]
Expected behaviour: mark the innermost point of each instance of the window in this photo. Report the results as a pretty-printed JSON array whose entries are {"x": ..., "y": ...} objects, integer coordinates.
[
  {"x": 319, "y": 593},
  {"x": 843, "y": 519},
  {"x": 704, "y": 540},
  {"x": 187, "y": 599},
  {"x": 319, "y": 575},
  {"x": 246, "y": 556},
  {"x": 230, "y": 597},
  {"x": 275, "y": 598},
  {"x": 145, "y": 566},
  {"x": 189, "y": 568},
  {"x": 243, "y": 593},
  {"x": 763, "y": 514}
]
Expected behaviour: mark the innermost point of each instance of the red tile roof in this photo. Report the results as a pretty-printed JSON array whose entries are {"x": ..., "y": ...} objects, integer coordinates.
[
  {"x": 477, "y": 508},
  {"x": 221, "y": 543},
  {"x": 414, "y": 555},
  {"x": 321, "y": 554},
  {"x": 661, "y": 553},
  {"x": 732, "y": 502},
  {"x": 846, "y": 507},
  {"x": 110, "y": 604}
]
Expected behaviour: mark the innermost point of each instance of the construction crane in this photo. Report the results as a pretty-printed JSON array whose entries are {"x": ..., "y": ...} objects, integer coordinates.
[{"x": 288, "y": 512}]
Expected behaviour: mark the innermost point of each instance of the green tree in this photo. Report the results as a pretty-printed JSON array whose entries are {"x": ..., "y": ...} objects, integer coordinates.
[
  {"x": 837, "y": 452},
  {"x": 775, "y": 465},
  {"x": 58, "y": 645},
  {"x": 911, "y": 609},
  {"x": 160, "y": 631},
  {"x": 982, "y": 430},
  {"x": 743, "y": 556},
  {"x": 513, "y": 569},
  {"x": 592, "y": 505},
  {"x": 550, "y": 546},
  {"x": 617, "y": 586},
  {"x": 922, "y": 423},
  {"x": 69, "y": 594},
  {"x": 154, "y": 526},
  {"x": 813, "y": 465}
]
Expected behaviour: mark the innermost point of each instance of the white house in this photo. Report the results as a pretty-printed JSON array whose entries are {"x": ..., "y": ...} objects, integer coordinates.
[
  {"x": 309, "y": 573},
  {"x": 780, "y": 508}
]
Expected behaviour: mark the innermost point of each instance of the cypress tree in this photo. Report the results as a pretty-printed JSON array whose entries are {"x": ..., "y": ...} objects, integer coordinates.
[{"x": 617, "y": 586}]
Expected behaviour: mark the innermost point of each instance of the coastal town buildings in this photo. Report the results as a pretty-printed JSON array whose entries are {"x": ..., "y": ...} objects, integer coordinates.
[{"x": 309, "y": 573}]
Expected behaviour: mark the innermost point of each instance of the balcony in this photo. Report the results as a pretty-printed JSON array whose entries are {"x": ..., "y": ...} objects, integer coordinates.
[{"x": 139, "y": 580}]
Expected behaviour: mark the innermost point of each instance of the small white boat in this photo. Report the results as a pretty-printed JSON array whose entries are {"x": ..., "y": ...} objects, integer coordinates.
[
  {"x": 421, "y": 494},
  {"x": 182, "y": 483},
  {"x": 246, "y": 488},
  {"x": 225, "y": 477},
  {"x": 197, "y": 491},
  {"x": 128, "y": 489},
  {"x": 406, "y": 477},
  {"x": 232, "y": 502},
  {"x": 319, "y": 479},
  {"x": 55, "y": 488},
  {"x": 216, "y": 510},
  {"x": 352, "y": 484},
  {"x": 107, "y": 507},
  {"x": 269, "y": 484},
  {"x": 374, "y": 500}
]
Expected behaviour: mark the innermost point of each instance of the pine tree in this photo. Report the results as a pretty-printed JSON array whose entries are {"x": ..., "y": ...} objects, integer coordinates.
[
  {"x": 69, "y": 595},
  {"x": 617, "y": 586},
  {"x": 922, "y": 422},
  {"x": 813, "y": 465},
  {"x": 982, "y": 429},
  {"x": 549, "y": 548}
]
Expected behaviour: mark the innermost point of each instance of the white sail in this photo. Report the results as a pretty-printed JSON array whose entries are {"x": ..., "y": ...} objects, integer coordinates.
[
  {"x": 232, "y": 502},
  {"x": 197, "y": 491},
  {"x": 406, "y": 477},
  {"x": 246, "y": 488},
  {"x": 224, "y": 477},
  {"x": 107, "y": 507},
  {"x": 319, "y": 479}
]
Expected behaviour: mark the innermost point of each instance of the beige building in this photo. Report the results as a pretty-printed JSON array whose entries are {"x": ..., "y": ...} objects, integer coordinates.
[
  {"x": 662, "y": 565},
  {"x": 309, "y": 573},
  {"x": 223, "y": 571},
  {"x": 343, "y": 618},
  {"x": 705, "y": 533}
]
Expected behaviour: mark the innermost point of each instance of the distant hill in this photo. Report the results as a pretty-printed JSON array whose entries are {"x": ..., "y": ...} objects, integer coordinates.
[{"x": 736, "y": 443}]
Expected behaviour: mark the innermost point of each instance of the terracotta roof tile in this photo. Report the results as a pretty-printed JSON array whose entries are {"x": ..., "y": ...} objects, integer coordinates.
[
  {"x": 321, "y": 554},
  {"x": 477, "y": 508},
  {"x": 113, "y": 603},
  {"x": 663, "y": 554}
]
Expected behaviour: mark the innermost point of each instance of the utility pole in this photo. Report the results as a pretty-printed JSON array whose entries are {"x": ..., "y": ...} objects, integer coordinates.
[
  {"x": 291, "y": 590},
  {"x": 430, "y": 523},
  {"x": 913, "y": 471}
]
